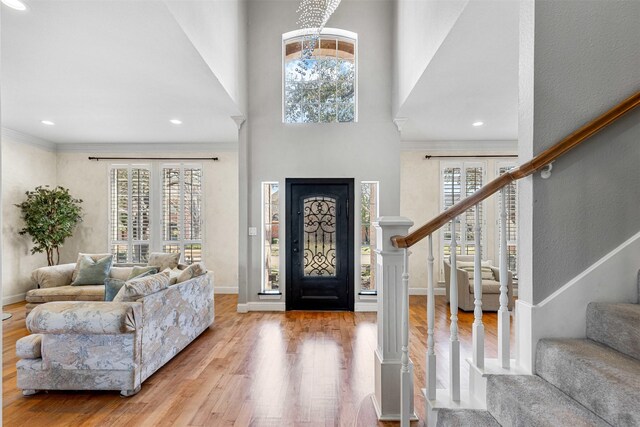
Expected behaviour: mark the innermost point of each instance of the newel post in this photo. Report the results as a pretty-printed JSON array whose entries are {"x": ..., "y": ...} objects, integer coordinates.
[{"x": 388, "y": 354}]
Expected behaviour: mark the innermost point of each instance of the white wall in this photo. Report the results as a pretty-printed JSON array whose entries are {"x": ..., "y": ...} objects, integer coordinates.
[
  {"x": 367, "y": 150},
  {"x": 420, "y": 28},
  {"x": 420, "y": 201},
  {"x": 25, "y": 166},
  {"x": 88, "y": 180},
  {"x": 217, "y": 30}
]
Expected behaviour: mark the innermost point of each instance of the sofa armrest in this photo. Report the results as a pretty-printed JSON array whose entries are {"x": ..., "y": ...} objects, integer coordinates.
[
  {"x": 84, "y": 317},
  {"x": 53, "y": 276}
]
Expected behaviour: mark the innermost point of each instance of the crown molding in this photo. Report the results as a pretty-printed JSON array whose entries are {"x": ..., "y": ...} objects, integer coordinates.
[
  {"x": 23, "y": 138},
  {"x": 400, "y": 122},
  {"x": 162, "y": 147},
  {"x": 467, "y": 146}
]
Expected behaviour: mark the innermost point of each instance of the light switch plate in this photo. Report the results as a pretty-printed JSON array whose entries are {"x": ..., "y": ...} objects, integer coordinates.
[{"x": 253, "y": 231}]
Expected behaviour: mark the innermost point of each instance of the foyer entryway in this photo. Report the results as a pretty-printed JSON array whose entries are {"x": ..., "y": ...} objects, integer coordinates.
[{"x": 320, "y": 244}]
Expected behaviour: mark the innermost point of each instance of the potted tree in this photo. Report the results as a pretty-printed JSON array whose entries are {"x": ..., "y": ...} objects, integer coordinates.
[{"x": 50, "y": 216}]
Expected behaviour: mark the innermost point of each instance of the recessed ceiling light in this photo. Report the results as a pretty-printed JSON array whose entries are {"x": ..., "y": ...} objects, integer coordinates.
[
  {"x": 47, "y": 122},
  {"x": 176, "y": 121},
  {"x": 476, "y": 124},
  {"x": 15, "y": 4}
]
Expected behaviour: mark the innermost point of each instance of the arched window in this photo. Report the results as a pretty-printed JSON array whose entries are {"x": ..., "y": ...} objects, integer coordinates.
[{"x": 320, "y": 77}]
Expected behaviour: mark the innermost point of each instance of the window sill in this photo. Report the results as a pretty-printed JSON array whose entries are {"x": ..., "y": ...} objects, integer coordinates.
[
  {"x": 368, "y": 295},
  {"x": 270, "y": 295}
]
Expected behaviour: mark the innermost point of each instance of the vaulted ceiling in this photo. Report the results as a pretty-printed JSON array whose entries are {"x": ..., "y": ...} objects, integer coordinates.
[{"x": 109, "y": 72}]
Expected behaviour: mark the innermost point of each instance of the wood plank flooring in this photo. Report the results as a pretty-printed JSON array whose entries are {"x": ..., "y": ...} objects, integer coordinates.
[{"x": 254, "y": 369}]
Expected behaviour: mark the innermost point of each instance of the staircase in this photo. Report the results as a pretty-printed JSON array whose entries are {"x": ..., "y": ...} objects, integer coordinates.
[{"x": 579, "y": 382}]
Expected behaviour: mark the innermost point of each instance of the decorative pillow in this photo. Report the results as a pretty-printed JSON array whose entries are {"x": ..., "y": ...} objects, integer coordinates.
[
  {"x": 485, "y": 269},
  {"x": 163, "y": 261},
  {"x": 138, "y": 271},
  {"x": 112, "y": 287},
  {"x": 94, "y": 257},
  {"x": 92, "y": 272},
  {"x": 135, "y": 289},
  {"x": 194, "y": 270},
  {"x": 173, "y": 275}
]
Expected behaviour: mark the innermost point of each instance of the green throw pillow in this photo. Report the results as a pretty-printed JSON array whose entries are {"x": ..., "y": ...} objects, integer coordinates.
[
  {"x": 138, "y": 271},
  {"x": 112, "y": 287},
  {"x": 92, "y": 272}
]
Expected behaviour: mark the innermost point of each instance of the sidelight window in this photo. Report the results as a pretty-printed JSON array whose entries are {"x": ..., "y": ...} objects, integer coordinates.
[
  {"x": 368, "y": 214},
  {"x": 270, "y": 237}
]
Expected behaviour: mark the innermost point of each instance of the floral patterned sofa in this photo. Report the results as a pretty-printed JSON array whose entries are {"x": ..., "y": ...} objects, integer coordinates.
[{"x": 90, "y": 345}]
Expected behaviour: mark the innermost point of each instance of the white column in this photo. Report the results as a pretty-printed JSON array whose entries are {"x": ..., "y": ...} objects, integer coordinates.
[
  {"x": 431, "y": 320},
  {"x": 388, "y": 354},
  {"x": 503, "y": 314},
  {"x": 406, "y": 382},
  {"x": 478, "y": 328},
  {"x": 454, "y": 343}
]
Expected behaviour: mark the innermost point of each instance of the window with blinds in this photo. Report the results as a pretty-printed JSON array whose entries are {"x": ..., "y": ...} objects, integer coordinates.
[
  {"x": 511, "y": 199},
  {"x": 155, "y": 207},
  {"x": 130, "y": 213},
  {"x": 181, "y": 211},
  {"x": 460, "y": 180}
]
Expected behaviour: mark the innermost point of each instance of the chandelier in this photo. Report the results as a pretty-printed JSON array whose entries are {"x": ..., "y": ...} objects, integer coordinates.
[{"x": 314, "y": 15}]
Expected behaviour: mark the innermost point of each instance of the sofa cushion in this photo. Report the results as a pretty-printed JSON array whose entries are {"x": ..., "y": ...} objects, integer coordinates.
[
  {"x": 139, "y": 271},
  {"x": 66, "y": 293},
  {"x": 469, "y": 267},
  {"x": 29, "y": 347},
  {"x": 74, "y": 317},
  {"x": 135, "y": 289},
  {"x": 112, "y": 287},
  {"x": 162, "y": 260},
  {"x": 54, "y": 275},
  {"x": 92, "y": 272},
  {"x": 121, "y": 273},
  {"x": 488, "y": 287},
  {"x": 94, "y": 257},
  {"x": 194, "y": 270}
]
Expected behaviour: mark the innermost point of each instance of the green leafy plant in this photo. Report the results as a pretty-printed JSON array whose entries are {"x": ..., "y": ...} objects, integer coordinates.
[{"x": 50, "y": 215}]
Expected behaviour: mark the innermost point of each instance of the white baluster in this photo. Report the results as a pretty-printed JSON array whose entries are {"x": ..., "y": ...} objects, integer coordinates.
[
  {"x": 405, "y": 374},
  {"x": 431, "y": 320},
  {"x": 503, "y": 313},
  {"x": 478, "y": 327},
  {"x": 454, "y": 343}
]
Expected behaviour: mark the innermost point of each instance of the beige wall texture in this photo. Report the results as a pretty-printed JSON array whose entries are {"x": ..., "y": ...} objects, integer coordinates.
[
  {"x": 24, "y": 167},
  {"x": 420, "y": 201},
  {"x": 88, "y": 180}
]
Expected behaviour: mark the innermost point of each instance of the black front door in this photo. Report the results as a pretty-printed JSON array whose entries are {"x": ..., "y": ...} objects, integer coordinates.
[{"x": 319, "y": 248}]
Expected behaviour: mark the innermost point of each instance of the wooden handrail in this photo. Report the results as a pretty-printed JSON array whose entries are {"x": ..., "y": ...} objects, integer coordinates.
[{"x": 532, "y": 166}]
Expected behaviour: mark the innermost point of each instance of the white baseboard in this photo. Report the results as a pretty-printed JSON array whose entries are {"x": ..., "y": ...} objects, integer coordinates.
[
  {"x": 613, "y": 278},
  {"x": 225, "y": 289},
  {"x": 12, "y": 299},
  {"x": 261, "y": 306},
  {"x": 423, "y": 291},
  {"x": 366, "y": 307}
]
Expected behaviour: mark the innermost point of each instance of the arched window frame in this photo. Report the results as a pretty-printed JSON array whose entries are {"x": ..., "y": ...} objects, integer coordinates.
[{"x": 336, "y": 32}]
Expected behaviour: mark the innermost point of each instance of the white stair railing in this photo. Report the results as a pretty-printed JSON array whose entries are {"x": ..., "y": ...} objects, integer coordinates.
[
  {"x": 454, "y": 343},
  {"x": 431, "y": 321},
  {"x": 405, "y": 375},
  {"x": 504, "y": 329},
  {"x": 478, "y": 327}
]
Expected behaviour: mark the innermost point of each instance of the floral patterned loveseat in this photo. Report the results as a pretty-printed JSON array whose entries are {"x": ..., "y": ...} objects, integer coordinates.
[{"x": 88, "y": 345}]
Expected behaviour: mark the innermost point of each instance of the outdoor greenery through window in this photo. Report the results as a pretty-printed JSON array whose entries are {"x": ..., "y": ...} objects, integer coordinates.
[
  {"x": 181, "y": 211},
  {"x": 319, "y": 79},
  {"x": 130, "y": 213},
  {"x": 141, "y": 221},
  {"x": 460, "y": 180},
  {"x": 368, "y": 214},
  {"x": 270, "y": 237}
]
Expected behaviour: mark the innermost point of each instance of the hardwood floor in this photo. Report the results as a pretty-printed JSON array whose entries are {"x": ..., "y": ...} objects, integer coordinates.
[{"x": 254, "y": 369}]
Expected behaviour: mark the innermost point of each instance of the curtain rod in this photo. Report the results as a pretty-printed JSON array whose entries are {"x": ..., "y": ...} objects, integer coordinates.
[
  {"x": 511, "y": 156},
  {"x": 97, "y": 159}
]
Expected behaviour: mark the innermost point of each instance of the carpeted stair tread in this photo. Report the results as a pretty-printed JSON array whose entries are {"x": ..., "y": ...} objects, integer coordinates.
[
  {"x": 465, "y": 418},
  {"x": 530, "y": 401},
  {"x": 615, "y": 325},
  {"x": 603, "y": 380}
]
